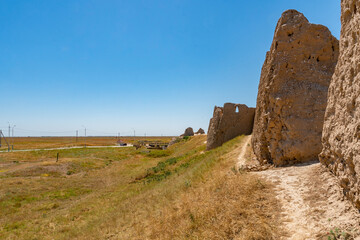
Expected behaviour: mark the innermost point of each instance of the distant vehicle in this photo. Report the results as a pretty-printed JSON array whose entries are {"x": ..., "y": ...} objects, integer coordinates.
[{"x": 121, "y": 143}]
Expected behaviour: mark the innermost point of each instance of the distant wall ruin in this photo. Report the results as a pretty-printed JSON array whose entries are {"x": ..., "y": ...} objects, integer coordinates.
[
  {"x": 229, "y": 122},
  {"x": 200, "y": 131},
  {"x": 341, "y": 133},
  {"x": 188, "y": 132},
  {"x": 293, "y": 90}
]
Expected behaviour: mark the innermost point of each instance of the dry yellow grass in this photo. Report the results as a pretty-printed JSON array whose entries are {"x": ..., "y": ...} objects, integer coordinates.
[
  {"x": 221, "y": 209},
  {"x": 225, "y": 204},
  {"x": 180, "y": 193}
]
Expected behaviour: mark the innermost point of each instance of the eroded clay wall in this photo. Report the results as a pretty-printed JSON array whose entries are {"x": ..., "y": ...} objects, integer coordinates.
[
  {"x": 293, "y": 90},
  {"x": 228, "y": 122},
  {"x": 341, "y": 133}
]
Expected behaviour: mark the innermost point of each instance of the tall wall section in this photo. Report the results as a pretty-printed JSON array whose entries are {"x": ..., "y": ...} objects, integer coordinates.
[
  {"x": 293, "y": 90},
  {"x": 341, "y": 133}
]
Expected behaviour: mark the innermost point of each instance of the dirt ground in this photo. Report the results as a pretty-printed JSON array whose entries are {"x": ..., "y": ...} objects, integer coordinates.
[{"x": 312, "y": 203}]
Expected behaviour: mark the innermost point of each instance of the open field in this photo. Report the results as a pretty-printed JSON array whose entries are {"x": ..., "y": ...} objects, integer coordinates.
[
  {"x": 123, "y": 193},
  {"x": 58, "y": 142}
]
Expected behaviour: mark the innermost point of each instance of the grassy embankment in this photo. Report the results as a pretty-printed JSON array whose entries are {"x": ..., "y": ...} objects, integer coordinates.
[{"x": 123, "y": 193}]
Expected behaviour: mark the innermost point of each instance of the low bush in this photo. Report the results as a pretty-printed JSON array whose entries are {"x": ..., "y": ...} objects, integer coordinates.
[{"x": 158, "y": 153}]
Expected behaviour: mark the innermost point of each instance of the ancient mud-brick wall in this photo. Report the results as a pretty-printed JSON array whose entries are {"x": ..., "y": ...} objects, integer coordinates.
[
  {"x": 200, "y": 131},
  {"x": 293, "y": 91},
  {"x": 188, "y": 132},
  {"x": 228, "y": 122},
  {"x": 341, "y": 133}
]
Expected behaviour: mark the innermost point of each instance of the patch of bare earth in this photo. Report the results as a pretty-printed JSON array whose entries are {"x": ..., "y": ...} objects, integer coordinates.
[{"x": 312, "y": 203}]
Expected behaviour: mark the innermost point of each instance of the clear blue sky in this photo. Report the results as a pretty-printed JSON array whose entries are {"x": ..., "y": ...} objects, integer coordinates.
[{"x": 156, "y": 66}]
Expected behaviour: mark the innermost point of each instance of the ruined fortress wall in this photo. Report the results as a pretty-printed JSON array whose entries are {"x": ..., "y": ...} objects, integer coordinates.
[
  {"x": 229, "y": 122},
  {"x": 341, "y": 133},
  {"x": 188, "y": 132},
  {"x": 293, "y": 90}
]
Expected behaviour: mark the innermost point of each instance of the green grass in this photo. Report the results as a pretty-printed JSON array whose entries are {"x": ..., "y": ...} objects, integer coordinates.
[
  {"x": 337, "y": 233},
  {"x": 157, "y": 153}
]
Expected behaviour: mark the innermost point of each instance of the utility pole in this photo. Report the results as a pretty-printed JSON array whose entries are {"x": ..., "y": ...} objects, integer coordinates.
[
  {"x": 118, "y": 136},
  {"x": 1, "y": 133},
  {"x": 12, "y": 138},
  {"x": 85, "y": 137},
  {"x": 77, "y": 134}
]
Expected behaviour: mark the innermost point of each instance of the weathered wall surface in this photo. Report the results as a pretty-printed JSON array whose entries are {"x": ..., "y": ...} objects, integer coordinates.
[
  {"x": 341, "y": 133},
  {"x": 228, "y": 122},
  {"x": 293, "y": 90}
]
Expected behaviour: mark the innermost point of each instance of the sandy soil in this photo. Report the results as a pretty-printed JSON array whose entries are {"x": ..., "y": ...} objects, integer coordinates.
[{"x": 312, "y": 201}]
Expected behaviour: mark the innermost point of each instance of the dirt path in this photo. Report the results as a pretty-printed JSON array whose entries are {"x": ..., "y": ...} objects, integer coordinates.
[
  {"x": 312, "y": 201},
  {"x": 241, "y": 158}
]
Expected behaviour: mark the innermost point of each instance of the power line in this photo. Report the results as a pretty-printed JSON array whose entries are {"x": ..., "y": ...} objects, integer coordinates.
[
  {"x": 25, "y": 131},
  {"x": 28, "y": 130}
]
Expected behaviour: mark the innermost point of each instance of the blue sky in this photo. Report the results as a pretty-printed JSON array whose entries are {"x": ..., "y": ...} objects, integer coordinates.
[{"x": 155, "y": 66}]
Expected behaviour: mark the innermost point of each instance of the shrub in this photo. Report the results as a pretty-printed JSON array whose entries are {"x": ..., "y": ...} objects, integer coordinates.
[
  {"x": 171, "y": 161},
  {"x": 338, "y": 234},
  {"x": 158, "y": 153}
]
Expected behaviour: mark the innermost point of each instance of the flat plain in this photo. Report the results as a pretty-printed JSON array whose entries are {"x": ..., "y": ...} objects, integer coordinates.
[{"x": 20, "y": 143}]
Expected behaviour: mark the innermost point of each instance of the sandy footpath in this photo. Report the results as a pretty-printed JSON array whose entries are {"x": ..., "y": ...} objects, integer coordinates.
[
  {"x": 311, "y": 199},
  {"x": 241, "y": 159}
]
